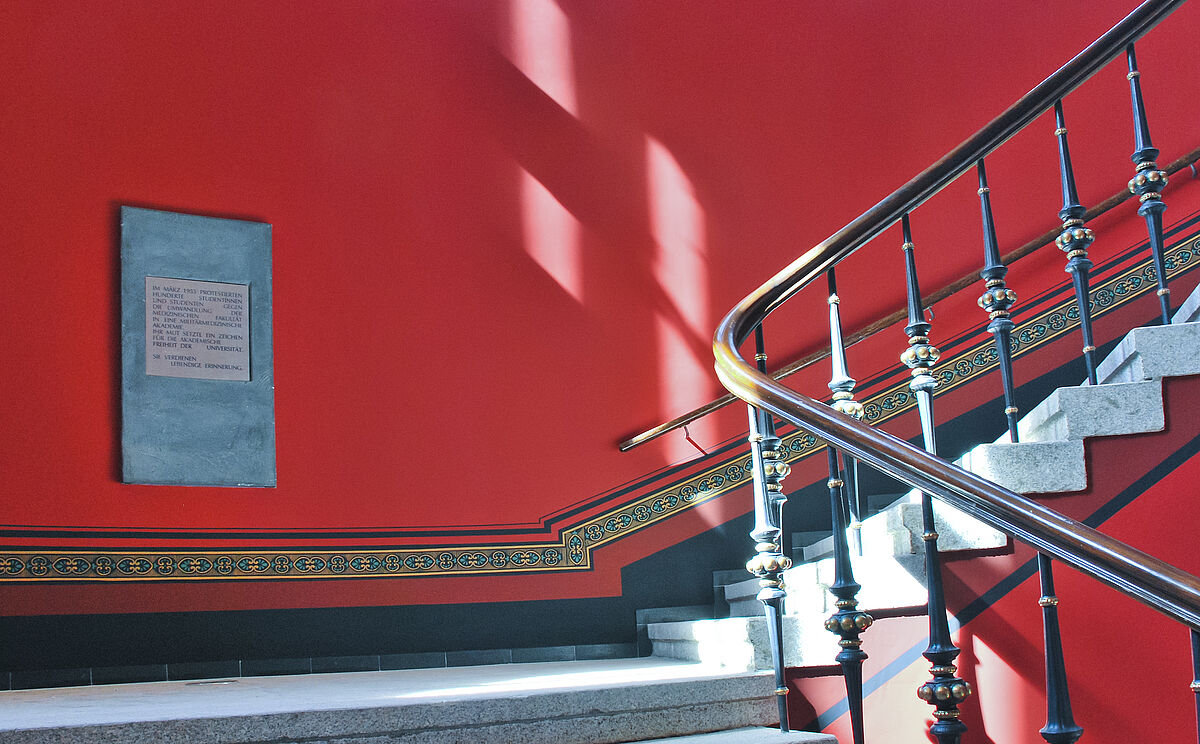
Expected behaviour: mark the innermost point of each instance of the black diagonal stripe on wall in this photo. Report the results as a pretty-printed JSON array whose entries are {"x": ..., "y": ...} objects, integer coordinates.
[{"x": 1018, "y": 576}]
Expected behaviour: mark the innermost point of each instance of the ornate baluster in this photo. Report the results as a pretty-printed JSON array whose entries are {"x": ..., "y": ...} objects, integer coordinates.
[
  {"x": 1074, "y": 241},
  {"x": 946, "y": 690},
  {"x": 1148, "y": 184},
  {"x": 997, "y": 299},
  {"x": 766, "y": 453},
  {"x": 1060, "y": 727},
  {"x": 842, "y": 386},
  {"x": 848, "y": 622},
  {"x": 773, "y": 456}
]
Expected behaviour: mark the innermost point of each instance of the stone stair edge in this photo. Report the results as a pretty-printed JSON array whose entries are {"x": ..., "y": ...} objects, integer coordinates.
[{"x": 715, "y": 699}]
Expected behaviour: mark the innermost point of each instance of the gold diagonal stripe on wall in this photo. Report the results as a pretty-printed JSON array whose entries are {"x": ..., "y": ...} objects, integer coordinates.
[{"x": 573, "y": 550}]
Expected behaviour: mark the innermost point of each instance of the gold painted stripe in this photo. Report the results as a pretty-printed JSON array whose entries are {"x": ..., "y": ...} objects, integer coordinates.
[{"x": 573, "y": 550}]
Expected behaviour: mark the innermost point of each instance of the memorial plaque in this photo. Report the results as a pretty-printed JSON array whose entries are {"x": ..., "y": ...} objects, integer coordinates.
[
  {"x": 197, "y": 374},
  {"x": 197, "y": 329}
]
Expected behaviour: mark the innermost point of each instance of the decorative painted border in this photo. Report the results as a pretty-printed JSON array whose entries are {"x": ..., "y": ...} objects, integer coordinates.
[{"x": 573, "y": 550}]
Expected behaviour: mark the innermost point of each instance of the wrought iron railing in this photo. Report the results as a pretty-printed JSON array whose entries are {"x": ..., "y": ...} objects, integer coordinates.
[
  {"x": 1141, "y": 576},
  {"x": 1184, "y": 162}
]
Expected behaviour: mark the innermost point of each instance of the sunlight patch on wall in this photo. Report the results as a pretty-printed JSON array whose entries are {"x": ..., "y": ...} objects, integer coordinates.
[
  {"x": 541, "y": 48},
  {"x": 1004, "y": 695},
  {"x": 683, "y": 325},
  {"x": 552, "y": 235}
]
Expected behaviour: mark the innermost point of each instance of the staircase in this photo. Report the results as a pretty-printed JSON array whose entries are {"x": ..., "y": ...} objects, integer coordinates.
[
  {"x": 1053, "y": 462},
  {"x": 706, "y": 682},
  {"x": 1048, "y": 459}
]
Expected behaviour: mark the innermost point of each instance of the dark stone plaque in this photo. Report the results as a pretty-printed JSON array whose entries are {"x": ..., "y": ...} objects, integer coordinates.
[{"x": 198, "y": 392}]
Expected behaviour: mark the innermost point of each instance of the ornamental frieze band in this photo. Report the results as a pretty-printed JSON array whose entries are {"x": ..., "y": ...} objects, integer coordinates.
[{"x": 573, "y": 550}]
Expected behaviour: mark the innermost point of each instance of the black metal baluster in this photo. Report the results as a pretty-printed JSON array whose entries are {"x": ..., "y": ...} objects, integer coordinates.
[
  {"x": 1148, "y": 184},
  {"x": 767, "y": 454},
  {"x": 848, "y": 622},
  {"x": 842, "y": 385},
  {"x": 946, "y": 690},
  {"x": 773, "y": 456},
  {"x": 1060, "y": 725},
  {"x": 997, "y": 299},
  {"x": 1075, "y": 241}
]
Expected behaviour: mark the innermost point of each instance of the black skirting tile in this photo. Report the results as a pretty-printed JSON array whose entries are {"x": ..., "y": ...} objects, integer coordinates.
[
  {"x": 345, "y": 664},
  {"x": 545, "y": 653},
  {"x": 596, "y": 651},
  {"x": 204, "y": 669},
  {"x": 427, "y": 660},
  {"x": 121, "y": 675},
  {"x": 51, "y": 678},
  {"x": 478, "y": 658},
  {"x": 273, "y": 667}
]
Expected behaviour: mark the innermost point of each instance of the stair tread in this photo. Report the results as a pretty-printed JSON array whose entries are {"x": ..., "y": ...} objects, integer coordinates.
[
  {"x": 1151, "y": 352},
  {"x": 562, "y": 702},
  {"x": 1030, "y": 467},
  {"x": 1111, "y": 409}
]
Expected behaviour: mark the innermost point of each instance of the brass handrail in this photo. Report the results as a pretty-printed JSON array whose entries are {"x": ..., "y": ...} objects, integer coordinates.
[{"x": 1170, "y": 590}]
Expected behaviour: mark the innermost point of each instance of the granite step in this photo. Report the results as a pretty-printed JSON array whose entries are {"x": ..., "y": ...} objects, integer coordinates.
[
  {"x": 1030, "y": 467},
  {"x": 1049, "y": 458},
  {"x": 593, "y": 702},
  {"x": 1111, "y": 409},
  {"x": 891, "y": 571},
  {"x": 643, "y": 618},
  {"x": 740, "y": 644},
  {"x": 1153, "y": 352}
]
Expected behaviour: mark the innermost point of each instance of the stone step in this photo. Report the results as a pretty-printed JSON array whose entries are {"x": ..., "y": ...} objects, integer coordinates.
[
  {"x": 1153, "y": 352},
  {"x": 597, "y": 702},
  {"x": 739, "y": 644},
  {"x": 891, "y": 570},
  {"x": 1030, "y": 467},
  {"x": 898, "y": 530},
  {"x": 643, "y": 618},
  {"x": 721, "y": 579},
  {"x": 1103, "y": 410},
  {"x": 811, "y": 546},
  {"x": 752, "y": 735},
  {"x": 742, "y": 598}
]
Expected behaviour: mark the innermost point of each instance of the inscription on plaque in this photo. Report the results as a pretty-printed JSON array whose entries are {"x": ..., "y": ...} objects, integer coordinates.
[{"x": 197, "y": 329}]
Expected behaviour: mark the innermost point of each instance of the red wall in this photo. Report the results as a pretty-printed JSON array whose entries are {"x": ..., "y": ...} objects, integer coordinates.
[{"x": 414, "y": 159}]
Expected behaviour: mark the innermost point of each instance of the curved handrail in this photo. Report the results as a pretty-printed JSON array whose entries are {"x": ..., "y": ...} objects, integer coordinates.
[
  {"x": 891, "y": 319},
  {"x": 1133, "y": 572}
]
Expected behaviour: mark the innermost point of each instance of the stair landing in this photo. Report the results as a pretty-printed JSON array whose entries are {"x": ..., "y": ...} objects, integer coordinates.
[{"x": 576, "y": 702}]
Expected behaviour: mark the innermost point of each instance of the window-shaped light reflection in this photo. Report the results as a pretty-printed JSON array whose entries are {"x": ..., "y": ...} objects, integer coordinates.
[
  {"x": 680, "y": 267},
  {"x": 541, "y": 48},
  {"x": 552, "y": 235}
]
